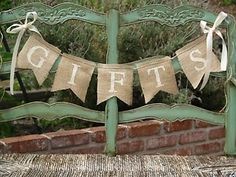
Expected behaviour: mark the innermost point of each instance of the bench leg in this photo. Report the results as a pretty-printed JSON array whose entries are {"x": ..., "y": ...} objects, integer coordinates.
[{"x": 230, "y": 120}]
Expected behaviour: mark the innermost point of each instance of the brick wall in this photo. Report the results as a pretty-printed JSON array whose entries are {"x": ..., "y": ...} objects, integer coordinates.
[{"x": 148, "y": 137}]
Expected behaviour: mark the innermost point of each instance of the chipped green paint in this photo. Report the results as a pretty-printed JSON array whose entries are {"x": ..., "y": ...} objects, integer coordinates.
[
  {"x": 53, "y": 111},
  {"x": 60, "y": 110},
  {"x": 230, "y": 124},
  {"x": 113, "y": 20},
  {"x": 171, "y": 113},
  {"x": 166, "y": 15},
  {"x": 111, "y": 111},
  {"x": 53, "y": 15}
]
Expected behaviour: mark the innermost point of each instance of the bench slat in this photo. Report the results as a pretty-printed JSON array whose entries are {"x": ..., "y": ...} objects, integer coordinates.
[
  {"x": 53, "y": 111},
  {"x": 53, "y": 15},
  {"x": 161, "y": 111}
]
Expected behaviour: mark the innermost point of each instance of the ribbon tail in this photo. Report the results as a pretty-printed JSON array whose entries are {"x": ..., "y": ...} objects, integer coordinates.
[
  {"x": 208, "y": 68},
  {"x": 205, "y": 79},
  {"x": 224, "y": 53},
  {"x": 13, "y": 62},
  {"x": 209, "y": 46},
  {"x": 34, "y": 29},
  {"x": 224, "y": 58},
  {"x": 208, "y": 59}
]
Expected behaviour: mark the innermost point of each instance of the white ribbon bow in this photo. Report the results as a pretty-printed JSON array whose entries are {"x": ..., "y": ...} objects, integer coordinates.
[
  {"x": 209, "y": 43},
  {"x": 1, "y": 38},
  {"x": 20, "y": 28}
]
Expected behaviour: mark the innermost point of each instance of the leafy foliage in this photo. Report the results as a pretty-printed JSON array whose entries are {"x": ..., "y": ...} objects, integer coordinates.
[
  {"x": 6, "y": 129},
  {"x": 5, "y": 4},
  {"x": 229, "y": 2}
]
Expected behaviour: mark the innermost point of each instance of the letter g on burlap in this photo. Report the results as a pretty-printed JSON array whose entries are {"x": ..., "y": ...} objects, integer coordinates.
[{"x": 39, "y": 56}]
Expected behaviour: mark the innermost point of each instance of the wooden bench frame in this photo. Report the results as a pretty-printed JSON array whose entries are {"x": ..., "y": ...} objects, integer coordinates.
[{"x": 113, "y": 20}]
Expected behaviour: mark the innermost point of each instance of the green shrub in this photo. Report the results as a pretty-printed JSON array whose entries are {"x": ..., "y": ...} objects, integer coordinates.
[
  {"x": 229, "y": 2},
  {"x": 5, "y": 4}
]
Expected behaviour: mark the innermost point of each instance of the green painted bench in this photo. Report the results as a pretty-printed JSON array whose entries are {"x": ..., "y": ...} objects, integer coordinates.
[{"x": 113, "y": 21}]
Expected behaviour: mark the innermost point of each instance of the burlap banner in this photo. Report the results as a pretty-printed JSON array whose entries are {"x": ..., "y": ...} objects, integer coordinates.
[
  {"x": 39, "y": 56},
  {"x": 74, "y": 73},
  {"x": 196, "y": 58},
  {"x": 192, "y": 58},
  {"x": 115, "y": 80},
  {"x": 155, "y": 76}
]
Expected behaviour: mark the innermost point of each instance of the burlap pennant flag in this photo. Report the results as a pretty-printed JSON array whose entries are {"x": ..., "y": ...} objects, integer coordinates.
[
  {"x": 192, "y": 58},
  {"x": 115, "y": 80},
  {"x": 74, "y": 73},
  {"x": 39, "y": 56},
  {"x": 157, "y": 75}
]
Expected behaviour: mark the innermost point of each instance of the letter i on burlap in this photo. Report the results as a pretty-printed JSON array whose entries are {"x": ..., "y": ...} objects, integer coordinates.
[{"x": 74, "y": 73}]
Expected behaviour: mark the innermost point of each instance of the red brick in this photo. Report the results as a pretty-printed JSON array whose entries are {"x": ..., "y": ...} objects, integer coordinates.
[
  {"x": 178, "y": 125},
  {"x": 146, "y": 128},
  {"x": 190, "y": 137},
  {"x": 201, "y": 124},
  {"x": 130, "y": 147},
  {"x": 98, "y": 134},
  {"x": 217, "y": 133},
  {"x": 29, "y": 143},
  {"x": 2, "y": 147},
  {"x": 91, "y": 150},
  {"x": 68, "y": 138},
  {"x": 79, "y": 150},
  {"x": 222, "y": 144},
  {"x": 186, "y": 151},
  {"x": 208, "y": 148},
  {"x": 164, "y": 141},
  {"x": 121, "y": 134}
]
